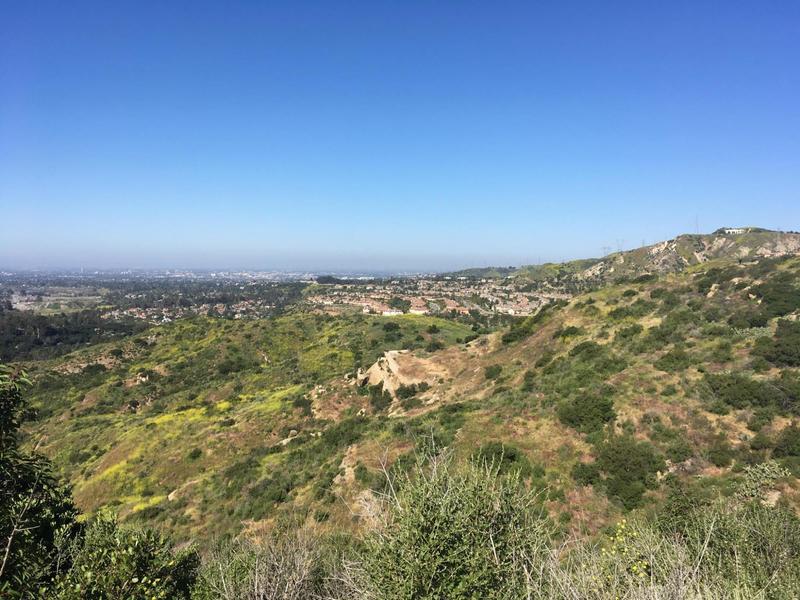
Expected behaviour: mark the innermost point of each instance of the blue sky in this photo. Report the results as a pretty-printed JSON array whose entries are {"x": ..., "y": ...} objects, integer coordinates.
[{"x": 394, "y": 135}]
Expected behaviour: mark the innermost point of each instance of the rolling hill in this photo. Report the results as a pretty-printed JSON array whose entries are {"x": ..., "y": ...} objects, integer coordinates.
[
  {"x": 671, "y": 256},
  {"x": 686, "y": 369}
]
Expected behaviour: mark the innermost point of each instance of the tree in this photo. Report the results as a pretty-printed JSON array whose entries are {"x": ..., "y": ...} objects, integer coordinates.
[{"x": 37, "y": 515}]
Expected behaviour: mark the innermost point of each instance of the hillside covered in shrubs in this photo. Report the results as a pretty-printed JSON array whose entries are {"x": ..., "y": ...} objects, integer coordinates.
[{"x": 639, "y": 440}]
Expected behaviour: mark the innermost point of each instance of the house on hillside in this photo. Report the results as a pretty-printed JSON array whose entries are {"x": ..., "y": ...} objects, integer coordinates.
[{"x": 733, "y": 230}]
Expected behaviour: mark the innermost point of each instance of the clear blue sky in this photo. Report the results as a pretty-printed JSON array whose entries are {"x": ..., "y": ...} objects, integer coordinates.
[{"x": 419, "y": 135}]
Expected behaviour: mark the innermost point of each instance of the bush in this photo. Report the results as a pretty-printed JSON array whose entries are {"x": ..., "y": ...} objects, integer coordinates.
[
  {"x": 492, "y": 371},
  {"x": 788, "y": 443},
  {"x": 586, "y": 473},
  {"x": 117, "y": 562},
  {"x": 434, "y": 345},
  {"x": 676, "y": 359},
  {"x": 504, "y": 458},
  {"x": 629, "y": 467},
  {"x": 739, "y": 391},
  {"x": 638, "y": 309},
  {"x": 720, "y": 453},
  {"x": 525, "y": 327},
  {"x": 627, "y": 333},
  {"x": 379, "y": 398},
  {"x": 598, "y": 358},
  {"x": 588, "y": 412},
  {"x": 778, "y": 296},
  {"x": 566, "y": 332},
  {"x": 282, "y": 566},
  {"x": 452, "y": 533},
  {"x": 404, "y": 392},
  {"x": 784, "y": 348}
]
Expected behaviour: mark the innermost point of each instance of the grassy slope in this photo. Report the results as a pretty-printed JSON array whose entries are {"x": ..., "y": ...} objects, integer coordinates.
[
  {"x": 665, "y": 402},
  {"x": 192, "y": 407},
  {"x": 651, "y": 347}
]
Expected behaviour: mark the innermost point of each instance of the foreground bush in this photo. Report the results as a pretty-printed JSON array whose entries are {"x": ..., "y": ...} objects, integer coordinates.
[
  {"x": 451, "y": 532},
  {"x": 291, "y": 565},
  {"x": 455, "y": 533},
  {"x": 125, "y": 562}
]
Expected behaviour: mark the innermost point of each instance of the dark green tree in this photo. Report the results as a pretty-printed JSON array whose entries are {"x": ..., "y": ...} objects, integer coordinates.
[{"x": 37, "y": 515}]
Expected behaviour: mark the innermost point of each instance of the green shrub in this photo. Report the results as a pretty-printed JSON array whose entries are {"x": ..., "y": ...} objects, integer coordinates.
[
  {"x": 460, "y": 534},
  {"x": 492, "y": 371},
  {"x": 627, "y": 333},
  {"x": 636, "y": 310},
  {"x": 586, "y": 474},
  {"x": 434, "y": 345},
  {"x": 379, "y": 398},
  {"x": 784, "y": 348},
  {"x": 788, "y": 442},
  {"x": 679, "y": 450},
  {"x": 529, "y": 382},
  {"x": 409, "y": 391},
  {"x": 525, "y": 327},
  {"x": 761, "y": 441},
  {"x": 588, "y": 412},
  {"x": 566, "y": 332},
  {"x": 739, "y": 391},
  {"x": 504, "y": 458},
  {"x": 124, "y": 562},
  {"x": 676, "y": 359},
  {"x": 778, "y": 296},
  {"x": 544, "y": 359},
  {"x": 719, "y": 452},
  {"x": 629, "y": 467}
]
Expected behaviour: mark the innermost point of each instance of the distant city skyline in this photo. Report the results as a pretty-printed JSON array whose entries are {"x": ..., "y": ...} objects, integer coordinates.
[{"x": 389, "y": 136}]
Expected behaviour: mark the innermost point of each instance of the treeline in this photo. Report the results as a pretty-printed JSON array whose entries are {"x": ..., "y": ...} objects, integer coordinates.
[
  {"x": 25, "y": 335},
  {"x": 182, "y": 293}
]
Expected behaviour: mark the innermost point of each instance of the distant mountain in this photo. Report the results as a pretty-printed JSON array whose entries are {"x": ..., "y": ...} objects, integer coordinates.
[{"x": 671, "y": 256}]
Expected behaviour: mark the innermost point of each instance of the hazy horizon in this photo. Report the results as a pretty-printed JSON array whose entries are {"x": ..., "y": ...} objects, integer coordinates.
[
  {"x": 352, "y": 267},
  {"x": 388, "y": 137}
]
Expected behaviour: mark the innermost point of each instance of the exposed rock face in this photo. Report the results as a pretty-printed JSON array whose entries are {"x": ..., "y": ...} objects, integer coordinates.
[
  {"x": 675, "y": 255},
  {"x": 400, "y": 367}
]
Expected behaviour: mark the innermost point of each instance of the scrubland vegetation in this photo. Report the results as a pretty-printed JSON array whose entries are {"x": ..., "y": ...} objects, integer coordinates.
[{"x": 640, "y": 440}]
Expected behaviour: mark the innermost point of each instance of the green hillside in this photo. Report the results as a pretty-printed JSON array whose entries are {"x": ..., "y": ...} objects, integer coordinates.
[
  {"x": 670, "y": 400},
  {"x": 182, "y": 425},
  {"x": 671, "y": 256},
  {"x": 207, "y": 426}
]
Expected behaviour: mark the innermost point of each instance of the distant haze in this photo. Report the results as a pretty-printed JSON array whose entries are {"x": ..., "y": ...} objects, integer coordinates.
[{"x": 390, "y": 136}]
